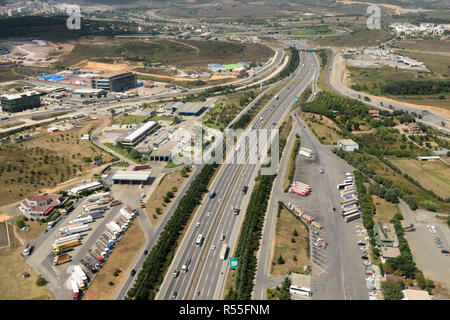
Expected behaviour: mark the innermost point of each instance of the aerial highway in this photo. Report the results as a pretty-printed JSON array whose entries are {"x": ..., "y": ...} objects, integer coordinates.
[{"x": 206, "y": 272}]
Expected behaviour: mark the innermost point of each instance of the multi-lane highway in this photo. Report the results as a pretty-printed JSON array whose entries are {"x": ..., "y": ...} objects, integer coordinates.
[{"x": 206, "y": 274}]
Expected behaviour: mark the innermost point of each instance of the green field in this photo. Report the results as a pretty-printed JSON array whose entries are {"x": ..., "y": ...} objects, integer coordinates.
[
  {"x": 174, "y": 52},
  {"x": 424, "y": 45},
  {"x": 432, "y": 175},
  {"x": 358, "y": 38},
  {"x": 129, "y": 119},
  {"x": 439, "y": 64}
]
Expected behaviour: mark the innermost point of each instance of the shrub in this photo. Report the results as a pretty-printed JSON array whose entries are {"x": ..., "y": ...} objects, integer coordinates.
[
  {"x": 280, "y": 260},
  {"x": 41, "y": 281}
]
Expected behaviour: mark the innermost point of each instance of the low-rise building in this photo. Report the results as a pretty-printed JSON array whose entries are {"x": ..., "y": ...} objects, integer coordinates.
[
  {"x": 374, "y": 113},
  {"x": 140, "y": 133},
  {"x": 115, "y": 81},
  {"x": 410, "y": 294},
  {"x": 40, "y": 205},
  {"x": 347, "y": 145},
  {"x": 85, "y": 187},
  {"x": 413, "y": 127},
  {"x": 385, "y": 234}
]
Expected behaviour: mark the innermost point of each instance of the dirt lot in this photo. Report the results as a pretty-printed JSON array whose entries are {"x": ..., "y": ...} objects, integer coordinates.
[
  {"x": 286, "y": 224},
  {"x": 322, "y": 127},
  {"x": 105, "y": 67},
  {"x": 156, "y": 200},
  {"x": 12, "y": 285},
  {"x": 433, "y": 175},
  {"x": 385, "y": 210},
  {"x": 121, "y": 258}
]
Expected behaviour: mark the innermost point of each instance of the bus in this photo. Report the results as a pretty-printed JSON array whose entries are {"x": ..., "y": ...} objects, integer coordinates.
[
  {"x": 343, "y": 185},
  {"x": 349, "y": 212},
  {"x": 199, "y": 241},
  {"x": 300, "y": 290},
  {"x": 352, "y": 216},
  {"x": 224, "y": 251}
]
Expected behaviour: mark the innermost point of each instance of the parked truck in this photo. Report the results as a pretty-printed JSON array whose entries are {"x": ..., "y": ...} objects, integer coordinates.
[
  {"x": 101, "y": 246},
  {"x": 114, "y": 226},
  {"x": 100, "y": 207},
  {"x": 68, "y": 209},
  {"x": 97, "y": 215},
  {"x": 136, "y": 168},
  {"x": 126, "y": 214},
  {"x": 75, "y": 290},
  {"x": 114, "y": 203},
  {"x": 80, "y": 272},
  {"x": 84, "y": 220},
  {"x": 98, "y": 196},
  {"x": 75, "y": 229},
  {"x": 60, "y": 259},
  {"x": 96, "y": 257},
  {"x": 68, "y": 238},
  {"x": 124, "y": 220},
  {"x": 58, "y": 248},
  {"x": 111, "y": 235},
  {"x": 79, "y": 281}
]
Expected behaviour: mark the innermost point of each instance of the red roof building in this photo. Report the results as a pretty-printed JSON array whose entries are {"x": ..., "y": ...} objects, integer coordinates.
[{"x": 40, "y": 205}]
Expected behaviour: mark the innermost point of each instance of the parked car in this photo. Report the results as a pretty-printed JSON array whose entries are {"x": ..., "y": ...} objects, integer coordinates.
[
  {"x": 445, "y": 251},
  {"x": 364, "y": 257}
]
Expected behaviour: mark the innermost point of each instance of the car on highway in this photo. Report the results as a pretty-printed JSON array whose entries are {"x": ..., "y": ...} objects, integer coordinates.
[
  {"x": 175, "y": 273},
  {"x": 145, "y": 252},
  {"x": 208, "y": 214},
  {"x": 244, "y": 190},
  {"x": 236, "y": 211},
  {"x": 213, "y": 247},
  {"x": 133, "y": 272},
  {"x": 197, "y": 224},
  {"x": 174, "y": 294},
  {"x": 222, "y": 237}
]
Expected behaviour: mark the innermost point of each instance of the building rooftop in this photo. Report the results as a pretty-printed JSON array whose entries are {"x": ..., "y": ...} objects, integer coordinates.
[
  {"x": 139, "y": 131},
  {"x": 347, "y": 142},
  {"x": 415, "y": 295},
  {"x": 190, "y": 107},
  {"x": 19, "y": 95},
  {"x": 84, "y": 186},
  {"x": 132, "y": 175},
  {"x": 390, "y": 252},
  {"x": 112, "y": 74}
]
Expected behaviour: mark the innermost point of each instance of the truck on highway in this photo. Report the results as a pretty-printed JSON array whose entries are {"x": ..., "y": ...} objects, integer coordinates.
[
  {"x": 58, "y": 248},
  {"x": 75, "y": 229},
  {"x": 223, "y": 252},
  {"x": 84, "y": 220},
  {"x": 60, "y": 259},
  {"x": 75, "y": 290}
]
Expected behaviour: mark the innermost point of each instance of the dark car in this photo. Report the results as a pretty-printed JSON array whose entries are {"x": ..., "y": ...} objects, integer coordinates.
[
  {"x": 174, "y": 294},
  {"x": 445, "y": 251},
  {"x": 133, "y": 272},
  {"x": 244, "y": 190},
  {"x": 145, "y": 252},
  {"x": 364, "y": 257}
]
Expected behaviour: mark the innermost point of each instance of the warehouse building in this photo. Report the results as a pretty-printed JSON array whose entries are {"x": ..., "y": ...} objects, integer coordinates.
[
  {"x": 347, "y": 145},
  {"x": 191, "y": 109},
  {"x": 85, "y": 187},
  {"x": 140, "y": 133},
  {"x": 115, "y": 81},
  {"x": 89, "y": 93},
  {"x": 131, "y": 177},
  {"x": 20, "y": 101}
]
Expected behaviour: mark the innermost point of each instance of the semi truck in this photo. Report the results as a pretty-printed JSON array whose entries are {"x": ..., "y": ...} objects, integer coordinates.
[
  {"x": 80, "y": 272},
  {"x": 97, "y": 215},
  {"x": 51, "y": 224},
  {"x": 68, "y": 209},
  {"x": 111, "y": 235},
  {"x": 97, "y": 257},
  {"x": 124, "y": 220},
  {"x": 97, "y": 196},
  {"x": 123, "y": 226},
  {"x": 115, "y": 203},
  {"x": 108, "y": 245},
  {"x": 75, "y": 291},
  {"x": 126, "y": 214},
  {"x": 108, "y": 240},
  {"x": 60, "y": 259},
  {"x": 115, "y": 228},
  {"x": 136, "y": 168},
  {"x": 100, "y": 207},
  {"x": 223, "y": 252},
  {"x": 101, "y": 246},
  {"x": 68, "y": 238},
  {"x": 100, "y": 253},
  {"x": 79, "y": 281},
  {"x": 75, "y": 229},
  {"x": 84, "y": 220},
  {"x": 58, "y": 248}
]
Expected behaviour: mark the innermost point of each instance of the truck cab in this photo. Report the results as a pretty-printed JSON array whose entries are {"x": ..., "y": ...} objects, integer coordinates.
[
  {"x": 27, "y": 251},
  {"x": 184, "y": 268}
]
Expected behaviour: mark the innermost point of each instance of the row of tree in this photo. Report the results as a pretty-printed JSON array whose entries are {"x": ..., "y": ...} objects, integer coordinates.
[
  {"x": 249, "y": 238},
  {"x": 415, "y": 87},
  {"x": 161, "y": 255}
]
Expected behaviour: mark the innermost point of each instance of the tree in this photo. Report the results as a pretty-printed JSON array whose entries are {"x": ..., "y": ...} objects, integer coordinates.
[
  {"x": 280, "y": 260},
  {"x": 295, "y": 233},
  {"x": 134, "y": 154},
  {"x": 392, "y": 290},
  {"x": 284, "y": 290},
  {"x": 41, "y": 281}
]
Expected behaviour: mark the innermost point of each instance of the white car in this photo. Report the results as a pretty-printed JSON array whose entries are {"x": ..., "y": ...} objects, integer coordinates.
[
  {"x": 213, "y": 247},
  {"x": 366, "y": 263},
  {"x": 198, "y": 224},
  {"x": 208, "y": 214},
  {"x": 372, "y": 293}
]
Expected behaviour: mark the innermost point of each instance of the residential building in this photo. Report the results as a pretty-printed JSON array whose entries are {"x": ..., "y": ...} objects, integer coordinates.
[
  {"x": 413, "y": 127},
  {"x": 374, "y": 113},
  {"x": 347, "y": 145}
]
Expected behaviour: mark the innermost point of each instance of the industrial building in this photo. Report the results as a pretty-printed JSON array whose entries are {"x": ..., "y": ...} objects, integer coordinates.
[
  {"x": 20, "y": 101},
  {"x": 190, "y": 108},
  {"x": 115, "y": 81},
  {"x": 217, "y": 68},
  {"x": 89, "y": 93},
  {"x": 131, "y": 177},
  {"x": 140, "y": 133},
  {"x": 347, "y": 145}
]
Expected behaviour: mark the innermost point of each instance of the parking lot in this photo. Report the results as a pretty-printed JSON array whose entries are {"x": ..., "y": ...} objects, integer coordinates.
[{"x": 426, "y": 252}]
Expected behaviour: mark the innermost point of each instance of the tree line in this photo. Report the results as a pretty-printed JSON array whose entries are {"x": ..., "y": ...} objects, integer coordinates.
[{"x": 161, "y": 255}]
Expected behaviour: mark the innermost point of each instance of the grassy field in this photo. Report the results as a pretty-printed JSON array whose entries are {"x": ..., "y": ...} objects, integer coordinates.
[
  {"x": 12, "y": 285},
  {"x": 286, "y": 224},
  {"x": 123, "y": 151},
  {"x": 322, "y": 80},
  {"x": 10, "y": 124},
  {"x": 156, "y": 200},
  {"x": 9, "y": 74},
  {"x": 179, "y": 53},
  {"x": 48, "y": 116},
  {"x": 439, "y": 64},
  {"x": 358, "y": 38},
  {"x": 291, "y": 164},
  {"x": 121, "y": 258},
  {"x": 322, "y": 127},
  {"x": 129, "y": 119},
  {"x": 385, "y": 210},
  {"x": 424, "y": 45},
  {"x": 44, "y": 161},
  {"x": 432, "y": 175}
]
